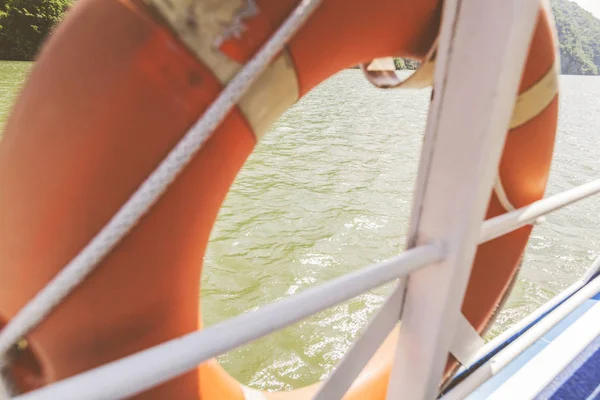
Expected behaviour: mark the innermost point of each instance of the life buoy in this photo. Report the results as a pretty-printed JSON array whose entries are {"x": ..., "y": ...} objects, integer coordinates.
[{"x": 117, "y": 86}]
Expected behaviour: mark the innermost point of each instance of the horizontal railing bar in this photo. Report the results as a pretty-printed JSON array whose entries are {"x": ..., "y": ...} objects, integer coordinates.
[
  {"x": 146, "y": 369},
  {"x": 591, "y": 272},
  {"x": 516, "y": 219},
  {"x": 502, "y": 359}
]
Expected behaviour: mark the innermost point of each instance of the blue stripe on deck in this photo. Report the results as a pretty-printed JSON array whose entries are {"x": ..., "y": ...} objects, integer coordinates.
[
  {"x": 579, "y": 380},
  {"x": 487, "y": 388}
]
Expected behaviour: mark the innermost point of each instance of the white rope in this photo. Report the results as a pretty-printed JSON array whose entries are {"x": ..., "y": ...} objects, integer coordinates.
[
  {"x": 154, "y": 186},
  {"x": 5, "y": 392}
]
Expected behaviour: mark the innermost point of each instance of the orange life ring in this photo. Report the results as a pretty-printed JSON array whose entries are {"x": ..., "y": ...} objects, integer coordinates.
[{"x": 116, "y": 87}]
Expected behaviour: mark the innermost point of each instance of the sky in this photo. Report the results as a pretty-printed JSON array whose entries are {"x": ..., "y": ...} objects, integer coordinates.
[{"x": 592, "y": 6}]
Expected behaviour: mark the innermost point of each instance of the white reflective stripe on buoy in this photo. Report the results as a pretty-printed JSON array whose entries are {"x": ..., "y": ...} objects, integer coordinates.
[
  {"x": 533, "y": 101},
  {"x": 466, "y": 343},
  {"x": 252, "y": 394},
  {"x": 502, "y": 196}
]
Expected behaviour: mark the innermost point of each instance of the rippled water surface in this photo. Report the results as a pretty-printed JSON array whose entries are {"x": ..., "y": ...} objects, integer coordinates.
[{"x": 329, "y": 190}]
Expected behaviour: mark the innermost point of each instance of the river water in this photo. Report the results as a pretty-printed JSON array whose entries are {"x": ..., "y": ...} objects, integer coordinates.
[{"x": 329, "y": 190}]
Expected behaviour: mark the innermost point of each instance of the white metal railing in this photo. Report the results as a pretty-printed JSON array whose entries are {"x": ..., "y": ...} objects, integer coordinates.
[
  {"x": 460, "y": 156},
  {"x": 510, "y": 221},
  {"x": 132, "y": 374},
  {"x": 387, "y": 316}
]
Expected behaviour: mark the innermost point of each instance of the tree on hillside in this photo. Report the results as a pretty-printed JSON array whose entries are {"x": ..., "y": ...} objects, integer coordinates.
[
  {"x": 579, "y": 36},
  {"x": 25, "y": 24},
  {"x": 406, "y": 63}
]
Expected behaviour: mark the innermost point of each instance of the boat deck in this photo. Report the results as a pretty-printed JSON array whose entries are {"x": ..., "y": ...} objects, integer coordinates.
[{"x": 564, "y": 363}]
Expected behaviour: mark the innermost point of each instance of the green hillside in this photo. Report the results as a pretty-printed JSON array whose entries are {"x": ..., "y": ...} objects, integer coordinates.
[
  {"x": 579, "y": 36},
  {"x": 24, "y": 24}
]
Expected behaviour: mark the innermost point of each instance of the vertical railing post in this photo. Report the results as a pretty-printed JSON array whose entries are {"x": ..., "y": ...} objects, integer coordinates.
[{"x": 483, "y": 47}]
